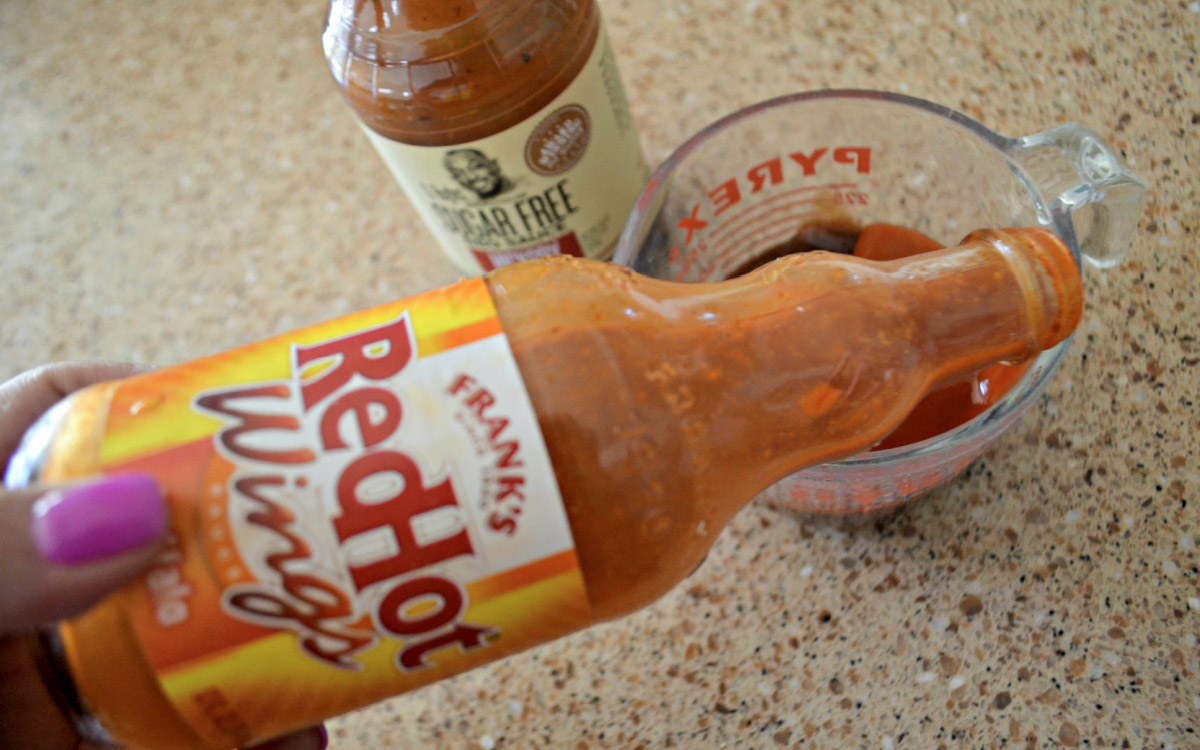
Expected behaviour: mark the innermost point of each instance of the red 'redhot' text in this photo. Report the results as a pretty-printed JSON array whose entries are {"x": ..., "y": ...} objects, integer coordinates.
[{"x": 340, "y": 391}]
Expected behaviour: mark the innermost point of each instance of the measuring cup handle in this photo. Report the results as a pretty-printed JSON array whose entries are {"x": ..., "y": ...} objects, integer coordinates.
[{"x": 1076, "y": 172}]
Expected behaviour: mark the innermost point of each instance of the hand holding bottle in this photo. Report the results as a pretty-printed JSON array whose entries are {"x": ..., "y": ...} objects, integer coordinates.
[{"x": 66, "y": 548}]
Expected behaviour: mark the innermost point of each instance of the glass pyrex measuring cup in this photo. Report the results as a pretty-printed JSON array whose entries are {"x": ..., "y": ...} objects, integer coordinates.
[{"x": 750, "y": 181}]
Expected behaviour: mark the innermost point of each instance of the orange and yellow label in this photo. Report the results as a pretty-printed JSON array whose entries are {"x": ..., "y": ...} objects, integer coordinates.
[{"x": 359, "y": 508}]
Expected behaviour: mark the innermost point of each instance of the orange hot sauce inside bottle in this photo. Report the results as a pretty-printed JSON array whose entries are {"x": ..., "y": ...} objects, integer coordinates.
[
  {"x": 664, "y": 408},
  {"x": 505, "y": 123},
  {"x": 956, "y": 403}
]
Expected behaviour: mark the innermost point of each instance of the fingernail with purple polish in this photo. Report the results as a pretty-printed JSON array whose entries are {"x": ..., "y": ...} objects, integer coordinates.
[
  {"x": 322, "y": 737},
  {"x": 92, "y": 521}
]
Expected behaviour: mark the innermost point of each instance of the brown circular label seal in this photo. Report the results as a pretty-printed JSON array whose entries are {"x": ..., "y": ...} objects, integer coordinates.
[{"x": 559, "y": 141}]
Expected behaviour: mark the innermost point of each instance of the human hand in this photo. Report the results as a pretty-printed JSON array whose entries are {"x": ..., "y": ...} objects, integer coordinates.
[{"x": 63, "y": 549}]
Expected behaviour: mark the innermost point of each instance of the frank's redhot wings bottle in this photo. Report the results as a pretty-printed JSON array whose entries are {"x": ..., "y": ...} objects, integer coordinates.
[
  {"x": 384, "y": 500},
  {"x": 506, "y": 123}
]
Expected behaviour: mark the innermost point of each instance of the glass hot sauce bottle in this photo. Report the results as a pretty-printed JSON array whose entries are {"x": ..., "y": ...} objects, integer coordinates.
[
  {"x": 506, "y": 123},
  {"x": 654, "y": 412}
]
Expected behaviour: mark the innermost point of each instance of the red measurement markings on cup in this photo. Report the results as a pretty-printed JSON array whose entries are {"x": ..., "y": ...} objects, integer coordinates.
[
  {"x": 766, "y": 221},
  {"x": 781, "y": 213},
  {"x": 780, "y": 203},
  {"x": 770, "y": 173}
]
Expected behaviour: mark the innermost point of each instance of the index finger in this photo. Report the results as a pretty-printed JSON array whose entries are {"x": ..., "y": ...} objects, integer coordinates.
[{"x": 27, "y": 396}]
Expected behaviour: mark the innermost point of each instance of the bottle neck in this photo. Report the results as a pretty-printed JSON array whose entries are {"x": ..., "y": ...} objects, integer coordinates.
[
  {"x": 854, "y": 345},
  {"x": 1001, "y": 296}
]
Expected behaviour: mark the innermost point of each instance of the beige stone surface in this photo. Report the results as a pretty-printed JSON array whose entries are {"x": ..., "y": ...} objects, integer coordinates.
[{"x": 179, "y": 178}]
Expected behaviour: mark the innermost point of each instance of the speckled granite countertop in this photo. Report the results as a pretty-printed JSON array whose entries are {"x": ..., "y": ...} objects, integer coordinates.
[{"x": 180, "y": 178}]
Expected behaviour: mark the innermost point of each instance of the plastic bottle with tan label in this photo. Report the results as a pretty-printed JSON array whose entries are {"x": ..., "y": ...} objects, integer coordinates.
[{"x": 506, "y": 123}]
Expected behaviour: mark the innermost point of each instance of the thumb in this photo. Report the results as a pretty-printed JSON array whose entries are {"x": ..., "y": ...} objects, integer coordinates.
[{"x": 63, "y": 549}]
